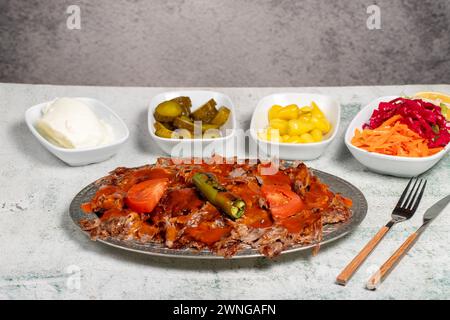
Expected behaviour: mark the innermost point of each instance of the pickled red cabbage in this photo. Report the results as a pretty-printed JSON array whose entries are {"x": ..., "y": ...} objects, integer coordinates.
[{"x": 422, "y": 117}]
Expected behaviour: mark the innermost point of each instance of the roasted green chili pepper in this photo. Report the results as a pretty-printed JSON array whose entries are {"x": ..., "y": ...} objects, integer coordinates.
[
  {"x": 167, "y": 111},
  {"x": 206, "y": 112},
  {"x": 225, "y": 201},
  {"x": 221, "y": 117}
]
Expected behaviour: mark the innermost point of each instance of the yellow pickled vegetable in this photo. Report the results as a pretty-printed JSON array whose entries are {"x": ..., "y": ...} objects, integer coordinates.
[
  {"x": 306, "y": 117},
  {"x": 270, "y": 135},
  {"x": 317, "y": 135},
  {"x": 291, "y": 124},
  {"x": 298, "y": 127},
  {"x": 322, "y": 124},
  {"x": 273, "y": 112},
  {"x": 289, "y": 112},
  {"x": 281, "y": 125},
  {"x": 306, "y": 109},
  {"x": 316, "y": 112},
  {"x": 306, "y": 138},
  {"x": 294, "y": 139}
]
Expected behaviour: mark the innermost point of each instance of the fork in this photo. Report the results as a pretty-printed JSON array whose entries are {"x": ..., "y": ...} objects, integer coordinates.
[{"x": 404, "y": 210}]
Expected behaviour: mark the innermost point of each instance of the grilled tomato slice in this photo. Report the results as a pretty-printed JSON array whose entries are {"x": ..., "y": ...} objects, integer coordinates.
[
  {"x": 144, "y": 196},
  {"x": 283, "y": 202}
]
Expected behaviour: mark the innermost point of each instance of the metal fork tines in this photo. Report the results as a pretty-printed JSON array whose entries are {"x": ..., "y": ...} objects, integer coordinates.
[
  {"x": 409, "y": 201},
  {"x": 404, "y": 210}
]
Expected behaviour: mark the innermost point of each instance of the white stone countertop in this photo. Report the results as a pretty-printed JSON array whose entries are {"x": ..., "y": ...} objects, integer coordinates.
[{"x": 41, "y": 249}]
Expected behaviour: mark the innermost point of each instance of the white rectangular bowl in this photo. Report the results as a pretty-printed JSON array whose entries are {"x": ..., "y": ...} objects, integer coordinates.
[
  {"x": 79, "y": 157},
  {"x": 187, "y": 148},
  {"x": 386, "y": 164},
  {"x": 295, "y": 151}
]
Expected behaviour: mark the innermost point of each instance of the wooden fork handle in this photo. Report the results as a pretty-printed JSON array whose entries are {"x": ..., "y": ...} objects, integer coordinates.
[
  {"x": 350, "y": 269},
  {"x": 390, "y": 263}
]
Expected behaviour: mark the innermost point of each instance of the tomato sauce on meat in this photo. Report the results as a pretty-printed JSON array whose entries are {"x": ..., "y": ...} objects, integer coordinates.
[{"x": 164, "y": 203}]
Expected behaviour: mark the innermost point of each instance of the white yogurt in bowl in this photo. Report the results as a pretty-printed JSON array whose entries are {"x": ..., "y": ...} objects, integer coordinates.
[
  {"x": 70, "y": 123},
  {"x": 78, "y": 132}
]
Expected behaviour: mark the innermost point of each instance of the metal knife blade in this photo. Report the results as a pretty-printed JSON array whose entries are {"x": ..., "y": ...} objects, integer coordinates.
[{"x": 435, "y": 209}]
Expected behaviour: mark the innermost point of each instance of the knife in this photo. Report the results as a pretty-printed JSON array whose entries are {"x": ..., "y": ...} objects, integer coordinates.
[{"x": 432, "y": 212}]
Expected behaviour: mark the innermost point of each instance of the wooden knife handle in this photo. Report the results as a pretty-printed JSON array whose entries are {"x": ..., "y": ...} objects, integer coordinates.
[
  {"x": 350, "y": 269},
  {"x": 390, "y": 263}
]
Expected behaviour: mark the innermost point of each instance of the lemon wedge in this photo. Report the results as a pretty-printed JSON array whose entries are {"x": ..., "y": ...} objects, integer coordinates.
[
  {"x": 441, "y": 97},
  {"x": 437, "y": 98}
]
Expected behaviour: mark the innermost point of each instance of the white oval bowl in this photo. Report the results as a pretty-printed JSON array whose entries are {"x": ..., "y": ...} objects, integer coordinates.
[
  {"x": 295, "y": 151},
  {"x": 84, "y": 156},
  {"x": 206, "y": 147},
  {"x": 386, "y": 164}
]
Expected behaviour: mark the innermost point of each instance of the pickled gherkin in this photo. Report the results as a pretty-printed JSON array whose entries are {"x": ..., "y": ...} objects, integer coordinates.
[
  {"x": 174, "y": 119},
  {"x": 185, "y": 103},
  {"x": 162, "y": 131},
  {"x": 212, "y": 134},
  {"x": 221, "y": 117},
  {"x": 209, "y": 126},
  {"x": 167, "y": 111},
  {"x": 206, "y": 112},
  {"x": 184, "y": 122},
  {"x": 168, "y": 125}
]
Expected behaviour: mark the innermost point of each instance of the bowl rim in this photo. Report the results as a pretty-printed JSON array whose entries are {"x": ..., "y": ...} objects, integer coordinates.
[
  {"x": 350, "y": 146},
  {"x": 47, "y": 143},
  {"x": 151, "y": 120},
  {"x": 253, "y": 130}
]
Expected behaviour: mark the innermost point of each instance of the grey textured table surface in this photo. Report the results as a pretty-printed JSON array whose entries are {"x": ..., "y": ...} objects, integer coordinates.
[{"x": 43, "y": 254}]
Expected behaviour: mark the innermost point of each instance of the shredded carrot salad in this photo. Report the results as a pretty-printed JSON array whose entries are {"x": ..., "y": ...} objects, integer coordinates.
[{"x": 393, "y": 138}]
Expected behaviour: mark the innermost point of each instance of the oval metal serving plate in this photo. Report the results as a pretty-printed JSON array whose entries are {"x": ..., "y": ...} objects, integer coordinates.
[{"x": 330, "y": 232}]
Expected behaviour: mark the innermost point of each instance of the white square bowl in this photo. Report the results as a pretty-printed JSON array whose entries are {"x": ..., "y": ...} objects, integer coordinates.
[
  {"x": 84, "y": 156},
  {"x": 296, "y": 151},
  {"x": 194, "y": 147},
  {"x": 382, "y": 163}
]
